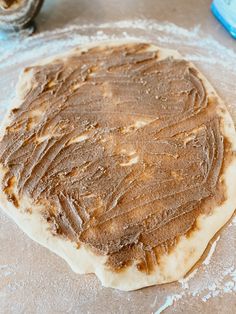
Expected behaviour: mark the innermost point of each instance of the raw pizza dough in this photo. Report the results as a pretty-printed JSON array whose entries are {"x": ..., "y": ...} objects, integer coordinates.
[{"x": 173, "y": 262}]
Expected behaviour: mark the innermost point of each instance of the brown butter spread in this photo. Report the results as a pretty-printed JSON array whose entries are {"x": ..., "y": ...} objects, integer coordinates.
[{"x": 123, "y": 149}]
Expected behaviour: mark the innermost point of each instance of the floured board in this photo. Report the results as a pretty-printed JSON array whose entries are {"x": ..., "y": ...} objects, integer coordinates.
[{"x": 210, "y": 283}]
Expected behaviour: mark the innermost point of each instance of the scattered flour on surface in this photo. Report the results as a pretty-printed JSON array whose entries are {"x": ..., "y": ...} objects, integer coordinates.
[
  {"x": 168, "y": 302},
  {"x": 211, "y": 252}
]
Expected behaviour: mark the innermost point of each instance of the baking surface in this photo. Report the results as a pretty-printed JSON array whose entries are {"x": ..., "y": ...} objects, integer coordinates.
[{"x": 34, "y": 280}]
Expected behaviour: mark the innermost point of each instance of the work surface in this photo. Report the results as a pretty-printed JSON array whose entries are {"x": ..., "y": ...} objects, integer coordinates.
[{"x": 34, "y": 280}]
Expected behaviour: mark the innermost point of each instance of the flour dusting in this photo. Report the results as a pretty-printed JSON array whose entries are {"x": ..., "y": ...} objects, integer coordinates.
[
  {"x": 212, "y": 250},
  {"x": 30, "y": 271},
  {"x": 170, "y": 299}
]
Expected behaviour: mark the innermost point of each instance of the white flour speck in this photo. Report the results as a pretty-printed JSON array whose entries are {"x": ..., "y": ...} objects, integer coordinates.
[
  {"x": 212, "y": 250},
  {"x": 168, "y": 302}
]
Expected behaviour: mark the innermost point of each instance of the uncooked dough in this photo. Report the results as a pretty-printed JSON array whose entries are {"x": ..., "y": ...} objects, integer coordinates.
[{"x": 120, "y": 158}]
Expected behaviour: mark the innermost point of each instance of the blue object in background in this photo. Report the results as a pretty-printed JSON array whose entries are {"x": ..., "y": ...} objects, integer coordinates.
[{"x": 225, "y": 12}]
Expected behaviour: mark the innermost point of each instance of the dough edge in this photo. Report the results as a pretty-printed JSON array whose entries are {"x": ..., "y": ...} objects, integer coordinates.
[{"x": 172, "y": 266}]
